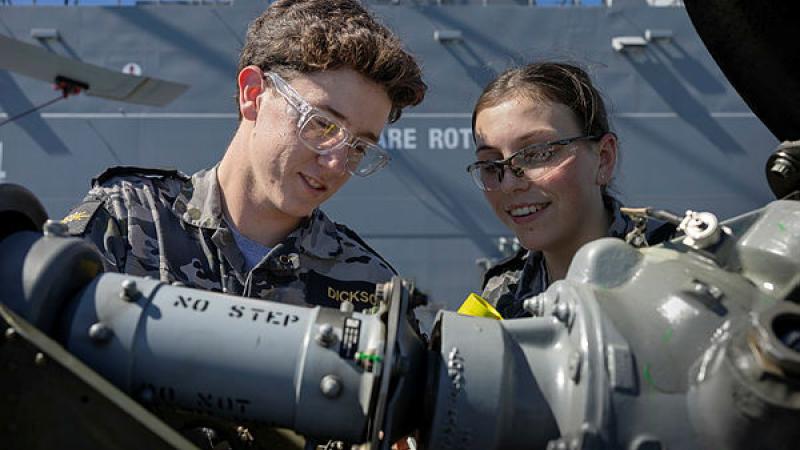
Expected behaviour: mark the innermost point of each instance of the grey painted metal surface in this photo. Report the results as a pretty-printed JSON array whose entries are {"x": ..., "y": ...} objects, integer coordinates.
[
  {"x": 688, "y": 141},
  {"x": 690, "y": 344},
  {"x": 664, "y": 347},
  {"x": 171, "y": 345}
]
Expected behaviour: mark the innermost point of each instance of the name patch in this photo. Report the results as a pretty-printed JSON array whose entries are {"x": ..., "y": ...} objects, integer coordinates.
[{"x": 326, "y": 291}]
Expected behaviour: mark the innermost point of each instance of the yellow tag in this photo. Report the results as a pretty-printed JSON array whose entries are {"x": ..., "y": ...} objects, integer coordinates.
[{"x": 476, "y": 306}]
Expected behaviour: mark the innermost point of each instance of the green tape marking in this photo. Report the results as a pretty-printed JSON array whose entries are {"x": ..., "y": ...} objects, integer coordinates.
[
  {"x": 782, "y": 227},
  {"x": 649, "y": 378},
  {"x": 667, "y": 336},
  {"x": 365, "y": 356}
]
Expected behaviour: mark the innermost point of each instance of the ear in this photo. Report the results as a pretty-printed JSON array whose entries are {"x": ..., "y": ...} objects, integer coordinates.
[
  {"x": 607, "y": 159},
  {"x": 250, "y": 87}
]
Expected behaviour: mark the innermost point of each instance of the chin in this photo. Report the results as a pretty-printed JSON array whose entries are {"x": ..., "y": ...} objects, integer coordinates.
[{"x": 536, "y": 243}]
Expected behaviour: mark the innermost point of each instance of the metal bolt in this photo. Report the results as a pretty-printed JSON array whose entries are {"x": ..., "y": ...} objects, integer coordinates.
[
  {"x": 326, "y": 336},
  {"x": 534, "y": 305},
  {"x": 129, "y": 291},
  {"x": 331, "y": 386},
  {"x": 646, "y": 443},
  {"x": 39, "y": 359},
  {"x": 782, "y": 167},
  {"x": 55, "y": 228},
  {"x": 244, "y": 435},
  {"x": 562, "y": 312},
  {"x": 100, "y": 333},
  {"x": 10, "y": 333},
  {"x": 346, "y": 307}
]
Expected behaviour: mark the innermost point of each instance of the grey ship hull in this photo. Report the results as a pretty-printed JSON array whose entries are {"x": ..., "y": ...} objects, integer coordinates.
[{"x": 688, "y": 140}]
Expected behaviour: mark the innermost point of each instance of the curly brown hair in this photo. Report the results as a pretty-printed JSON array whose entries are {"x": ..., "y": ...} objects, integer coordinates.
[{"x": 315, "y": 35}]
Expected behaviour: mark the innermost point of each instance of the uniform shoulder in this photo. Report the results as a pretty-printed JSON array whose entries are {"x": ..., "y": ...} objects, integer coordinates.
[
  {"x": 356, "y": 248},
  {"x": 131, "y": 173},
  {"x": 118, "y": 189},
  {"x": 510, "y": 263}
]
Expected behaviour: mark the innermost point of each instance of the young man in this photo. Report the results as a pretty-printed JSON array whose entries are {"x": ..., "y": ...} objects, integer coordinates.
[{"x": 317, "y": 82}]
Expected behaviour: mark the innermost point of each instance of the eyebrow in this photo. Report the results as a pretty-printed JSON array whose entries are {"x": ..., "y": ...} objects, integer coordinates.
[
  {"x": 521, "y": 139},
  {"x": 332, "y": 111}
]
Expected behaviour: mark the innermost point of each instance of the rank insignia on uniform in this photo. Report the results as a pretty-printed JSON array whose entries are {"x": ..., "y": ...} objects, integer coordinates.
[
  {"x": 78, "y": 219},
  {"x": 77, "y": 215}
]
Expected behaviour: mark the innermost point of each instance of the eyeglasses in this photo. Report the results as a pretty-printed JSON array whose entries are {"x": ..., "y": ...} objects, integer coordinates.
[
  {"x": 323, "y": 134},
  {"x": 534, "y": 161}
]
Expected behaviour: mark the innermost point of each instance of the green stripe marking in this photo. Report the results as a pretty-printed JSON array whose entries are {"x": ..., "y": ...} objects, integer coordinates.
[{"x": 667, "y": 336}]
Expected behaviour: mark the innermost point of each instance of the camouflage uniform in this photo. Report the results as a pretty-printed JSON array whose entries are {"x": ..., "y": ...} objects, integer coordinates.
[
  {"x": 509, "y": 282},
  {"x": 166, "y": 225}
]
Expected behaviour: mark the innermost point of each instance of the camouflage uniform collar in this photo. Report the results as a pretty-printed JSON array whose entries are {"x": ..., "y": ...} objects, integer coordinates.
[
  {"x": 317, "y": 235},
  {"x": 620, "y": 223},
  {"x": 199, "y": 202}
]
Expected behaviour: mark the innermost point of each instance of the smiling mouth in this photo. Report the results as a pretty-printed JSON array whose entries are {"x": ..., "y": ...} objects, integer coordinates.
[
  {"x": 526, "y": 210},
  {"x": 313, "y": 183}
]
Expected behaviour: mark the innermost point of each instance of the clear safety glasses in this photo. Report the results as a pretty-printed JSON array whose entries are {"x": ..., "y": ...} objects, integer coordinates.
[
  {"x": 323, "y": 134},
  {"x": 533, "y": 161}
]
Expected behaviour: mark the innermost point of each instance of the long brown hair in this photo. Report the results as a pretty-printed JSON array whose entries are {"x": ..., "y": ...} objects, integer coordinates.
[{"x": 550, "y": 82}]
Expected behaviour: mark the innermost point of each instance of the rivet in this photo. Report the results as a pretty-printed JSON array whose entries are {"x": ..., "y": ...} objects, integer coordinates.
[
  {"x": 129, "y": 291},
  {"x": 331, "y": 386},
  {"x": 100, "y": 333},
  {"x": 562, "y": 312},
  {"x": 325, "y": 335},
  {"x": 10, "y": 333},
  {"x": 40, "y": 359}
]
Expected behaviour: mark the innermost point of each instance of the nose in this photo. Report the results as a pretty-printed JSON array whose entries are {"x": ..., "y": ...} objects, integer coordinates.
[
  {"x": 511, "y": 182},
  {"x": 335, "y": 160}
]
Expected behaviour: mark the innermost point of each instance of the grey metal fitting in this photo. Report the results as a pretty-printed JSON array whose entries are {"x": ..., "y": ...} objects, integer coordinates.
[
  {"x": 325, "y": 335},
  {"x": 244, "y": 435},
  {"x": 346, "y": 307},
  {"x": 574, "y": 365},
  {"x": 534, "y": 305},
  {"x": 708, "y": 290},
  {"x": 562, "y": 312},
  {"x": 381, "y": 290},
  {"x": 100, "y": 333},
  {"x": 777, "y": 336},
  {"x": 40, "y": 360},
  {"x": 10, "y": 333},
  {"x": 55, "y": 228},
  {"x": 782, "y": 167},
  {"x": 331, "y": 386},
  {"x": 129, "y": 291},
  {"x": 701, "y": 229}
]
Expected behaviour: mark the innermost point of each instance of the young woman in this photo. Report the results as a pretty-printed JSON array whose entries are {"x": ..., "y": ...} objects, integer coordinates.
[{"x": 545, "y": 158}]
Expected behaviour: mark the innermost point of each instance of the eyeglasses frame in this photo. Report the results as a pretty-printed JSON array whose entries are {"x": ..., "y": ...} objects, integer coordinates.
[
  {"x": 307, "y": 111},
  {"x": 520, "y": 171}
]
